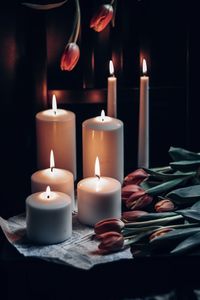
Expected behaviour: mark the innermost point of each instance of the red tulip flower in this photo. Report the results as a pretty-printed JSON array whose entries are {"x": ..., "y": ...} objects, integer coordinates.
[
  {"x": 136, "y": 177},
  {"x": 138, "y": 200},
  {"x": 108, "y": 225},
  {"x": 111, "y": 242},
  {"x": 132, "y": 216},
  {"x": 102, "y": 17},
  {"x": 164, "y": 205},
  {"x": 70, "y": 57}
]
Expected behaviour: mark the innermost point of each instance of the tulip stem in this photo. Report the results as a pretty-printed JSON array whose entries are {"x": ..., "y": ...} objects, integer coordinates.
[
  {"x": 133, "y": 232},
  {"x": 76, "y": 26},
  {"x": 154, "y": 222},
  {"x": 114, "y": 4}
]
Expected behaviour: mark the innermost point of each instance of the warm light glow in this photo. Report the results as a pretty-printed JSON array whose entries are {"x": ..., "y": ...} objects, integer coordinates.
[
  {"x": 54, "y": 104},
  {"x": 48, "y": 192},
  {"x": 102, "y": 115},
  {"x": 111, "y": 67},
  {"x": 52, "y": 161},
  {"x": 144, "y": 66},
  {"x": 97, "y": 167}
]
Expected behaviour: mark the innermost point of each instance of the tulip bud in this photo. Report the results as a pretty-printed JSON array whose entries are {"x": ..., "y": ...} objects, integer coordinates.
[
  {"x": 138, "y": 200},
  {"x": 130, "y": 216},
  {"x": 128, "y": 190},
  {"x": 108, "y": 225},
  {"x": 164, "y": 205},
  {"x": 102, "y": 17},
  {"x": 160, "y": 232},
  {"x": 70, "y": 57},
  {"x": 136, "y": 177},
  {"x": 111, "y": 241}
]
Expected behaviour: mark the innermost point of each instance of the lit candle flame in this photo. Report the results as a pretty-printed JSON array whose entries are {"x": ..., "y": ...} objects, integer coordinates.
[
  {"x": 97, "y": 167},
  {"x": 54, "y": 104},
  {"x": 102, "y": 115},
  {"x": 48, "y": 192},
  {"x": 111, "y": 68},
  {"x": 52, "y": 161},
  {"x": 144, "y": 66}
]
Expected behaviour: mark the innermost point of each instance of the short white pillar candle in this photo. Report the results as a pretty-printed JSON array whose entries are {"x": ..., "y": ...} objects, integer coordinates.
[
  {"x": 98, "y": 198},
  {"x": 48, "y": 217}
]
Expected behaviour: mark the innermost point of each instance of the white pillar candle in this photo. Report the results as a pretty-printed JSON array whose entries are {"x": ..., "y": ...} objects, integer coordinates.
[
  {"x": 58, "y": 179},
  {"x": 143, "y": 136},
  {"x": 103, "y": 137},
  {"x": 98, "y": 198},
  {"x": 48, "y": 217},
  {"x": 112, "y": 93},
  {"x": 55, "y": 129}
]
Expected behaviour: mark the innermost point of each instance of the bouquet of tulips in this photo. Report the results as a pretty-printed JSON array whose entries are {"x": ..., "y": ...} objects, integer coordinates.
[{"x": 161, "y": 210}]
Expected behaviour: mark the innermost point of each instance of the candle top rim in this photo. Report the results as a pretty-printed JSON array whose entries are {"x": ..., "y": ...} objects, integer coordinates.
[
  {"x": 58, "y": 200},
  {"x": 61, "y": 115},
  {"x": 109, "y": 184},
  {"x": 58, "y": 174},
  {"x": 96, "y": 124}
]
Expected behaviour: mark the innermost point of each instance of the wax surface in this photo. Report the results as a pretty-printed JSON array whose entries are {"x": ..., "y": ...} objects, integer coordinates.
[
  {"x": 105, "y": 140},
  {"x": 98, "y": 199},
  {"x": 56, "y": 132},
  {"x": 59, "y": 180},
  {"x": 112, "y": 97},
  {"x": 143, "y": 135},
  {"x": 49, "y": 221}
]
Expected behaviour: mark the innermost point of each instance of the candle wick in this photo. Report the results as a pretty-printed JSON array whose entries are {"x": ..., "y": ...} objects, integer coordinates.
[
  {"x": 52, "y": 169},
  {"x": 98, "y": 176},
  {"x": 48, "y": 197},
  {"x": 54, "y": 112},
  {"x": 102, "y": 119}
]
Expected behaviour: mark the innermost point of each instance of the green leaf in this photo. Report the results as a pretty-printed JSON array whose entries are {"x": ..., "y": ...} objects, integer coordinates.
[
  {"x": 185, "y": 165},
  {"x": 43, "y": 6},
  {"x": 196, "y": 206},
  {"x": 173, "y": 237},
  {"x": 188, "y": 244},
  {"x": 188, "y": 195},
  {"x": 146, "y": 185},
  {"x": 178, "y": 154},
  {"x": 155, "y": 216},
  {"x": 190, "y": 214},
  {"x": 166, "y": 176},
  {"x": 166, "y": 186}
]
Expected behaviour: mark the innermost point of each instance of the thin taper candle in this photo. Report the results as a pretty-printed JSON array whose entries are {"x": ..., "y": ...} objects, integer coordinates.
[{"x": 143, "y": 136}]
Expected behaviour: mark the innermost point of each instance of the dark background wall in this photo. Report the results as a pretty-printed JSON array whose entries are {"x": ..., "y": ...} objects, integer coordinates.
[{"x": 32, "y": 42}]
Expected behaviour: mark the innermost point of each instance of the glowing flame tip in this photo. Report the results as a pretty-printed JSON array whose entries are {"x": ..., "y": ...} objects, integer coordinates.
[
  {"x": 97, "y": 167},
  {"x": 52, "y": 161},
  {"x": 48, "y": 192},
  {"x": 144, "y": 66},
  {"x": 54, "y": 104},
  {"x": 111, "y": 68}
]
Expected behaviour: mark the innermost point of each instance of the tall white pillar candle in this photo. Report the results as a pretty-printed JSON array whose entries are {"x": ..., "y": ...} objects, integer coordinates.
[
  {"x": 58, "y": 179},
  {"x": 143, "y": 136},
  {"x": 112, "y": 93},
  {"x": 55, "y": 129},
  {"x": 103, "y": 137},
  {"x": 48, "y": 217},
  {"x": 98, "y": 198}
]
